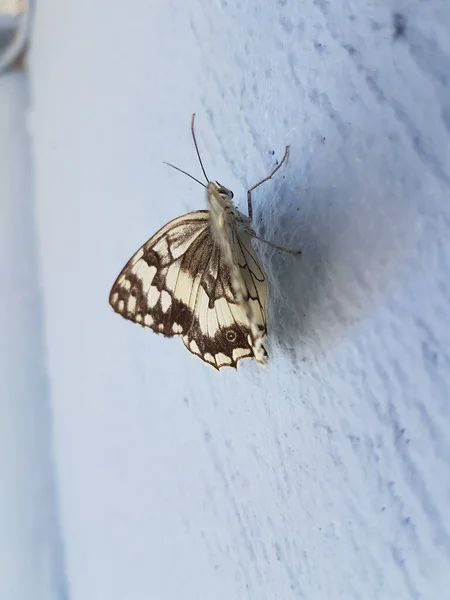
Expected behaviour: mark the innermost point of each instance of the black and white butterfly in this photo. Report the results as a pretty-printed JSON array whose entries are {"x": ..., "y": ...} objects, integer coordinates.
[{"x": 198, "y": 277}]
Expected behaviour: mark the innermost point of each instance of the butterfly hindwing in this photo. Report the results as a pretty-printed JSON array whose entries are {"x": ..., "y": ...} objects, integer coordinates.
[
  {"x": 230, "y": 229},
  {"x": 220, "y": 332}
]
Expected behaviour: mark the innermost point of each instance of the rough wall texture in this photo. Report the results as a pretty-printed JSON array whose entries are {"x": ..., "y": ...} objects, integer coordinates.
[{"x": 325, "y": 475}]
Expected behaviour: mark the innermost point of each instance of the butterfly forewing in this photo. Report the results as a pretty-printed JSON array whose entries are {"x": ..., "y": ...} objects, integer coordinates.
[{"x": 144, "y": 290}]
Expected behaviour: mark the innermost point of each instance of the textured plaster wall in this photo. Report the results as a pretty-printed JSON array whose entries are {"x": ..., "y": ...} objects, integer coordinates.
[{"x": 325, "y": 475}]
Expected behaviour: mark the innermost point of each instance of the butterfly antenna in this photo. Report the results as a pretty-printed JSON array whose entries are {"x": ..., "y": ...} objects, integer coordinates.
[
  {"x": 184, "y": 172},
  {"x": 196, "y": 148}
]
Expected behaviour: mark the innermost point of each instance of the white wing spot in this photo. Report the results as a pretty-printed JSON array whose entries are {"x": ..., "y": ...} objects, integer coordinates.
[
  {"x": 240, "y": 353},
  {"x": 176, "y": 328},
  {"x": 139, "y": 318},
  {"x": 193, "y": 346},
  {"x": 145, "y": 274},
  {"x": 115, "y": 297},
  {"x": 172, "y": 275},
  {"x": 185, "y": 286},
  {"x": 166, "y": 301},
  {"x": 202, "y": 310},
  {"x": 153, "y": 296},
  {"x": 131, "y": 304},
  {"x": 209, "y": 358},
  {"x": 120, "y": 305},
  {"x": 162, "y": 248},
  {"x": 148, "y": 320},
  {"x": 223, "y": 359},
  {"x": 160, "y": 327}
]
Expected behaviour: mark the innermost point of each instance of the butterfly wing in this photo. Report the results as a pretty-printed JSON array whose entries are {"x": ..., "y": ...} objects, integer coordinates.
[{"x": 178, "y": 283}]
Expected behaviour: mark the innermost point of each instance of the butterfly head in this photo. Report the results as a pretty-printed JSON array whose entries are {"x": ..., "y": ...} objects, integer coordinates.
[
  {"x": 219, "y": 198},
  {"x": 224, "y": 192}
]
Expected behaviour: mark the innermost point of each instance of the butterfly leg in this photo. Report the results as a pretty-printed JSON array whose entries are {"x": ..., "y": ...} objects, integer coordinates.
[
  {"x": 249, "y": 193},
  {"x": 295, "y": 252}
]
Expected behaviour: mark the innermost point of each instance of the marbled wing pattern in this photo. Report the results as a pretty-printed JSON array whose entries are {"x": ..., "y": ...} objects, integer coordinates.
[{"x": 179, "y": 283}]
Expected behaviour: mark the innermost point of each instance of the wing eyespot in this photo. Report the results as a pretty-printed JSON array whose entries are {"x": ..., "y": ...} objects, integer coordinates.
[{"x": 231, "y": 335}]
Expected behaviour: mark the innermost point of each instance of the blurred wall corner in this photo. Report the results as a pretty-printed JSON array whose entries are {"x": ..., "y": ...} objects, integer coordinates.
[
  {"x": 15, "y": 18},
  {"x": 32, "y": 556}
]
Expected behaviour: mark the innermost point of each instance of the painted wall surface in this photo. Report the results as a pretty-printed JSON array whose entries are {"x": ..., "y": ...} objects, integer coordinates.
[{"x": 326, "y": 474}]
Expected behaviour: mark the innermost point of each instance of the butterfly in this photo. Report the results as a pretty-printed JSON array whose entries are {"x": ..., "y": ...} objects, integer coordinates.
[{"x": 199, "y": 278}]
